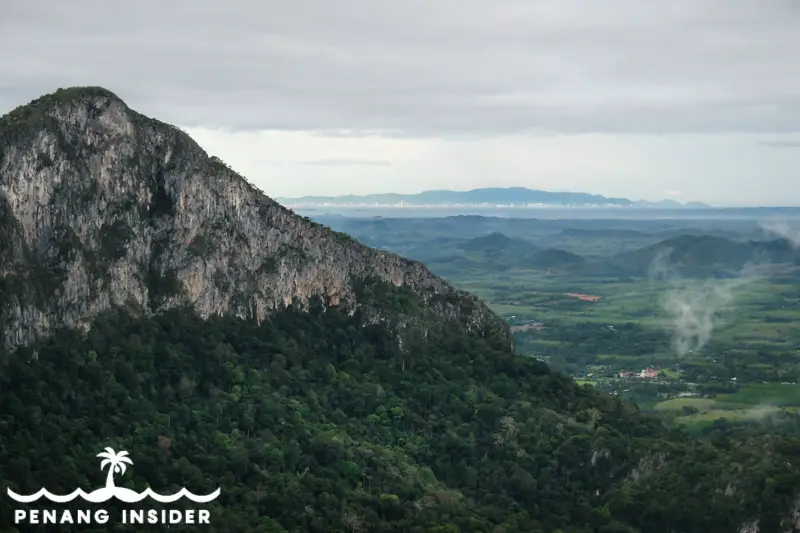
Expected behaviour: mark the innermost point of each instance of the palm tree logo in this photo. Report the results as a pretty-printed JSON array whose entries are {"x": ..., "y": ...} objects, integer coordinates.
[{"x": 116, "y": 464}]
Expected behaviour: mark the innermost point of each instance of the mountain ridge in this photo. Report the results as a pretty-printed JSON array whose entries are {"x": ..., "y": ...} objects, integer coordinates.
[
  {"x": 704, "y": 253},
  {"x": 508, "y": 196},
  {"x": 163, "y": 225}
]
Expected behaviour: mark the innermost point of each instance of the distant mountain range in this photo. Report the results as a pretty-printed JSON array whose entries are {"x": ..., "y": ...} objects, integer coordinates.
[
  {"x": 488, "y": 197},
  {"x": 687, "y": 255}
]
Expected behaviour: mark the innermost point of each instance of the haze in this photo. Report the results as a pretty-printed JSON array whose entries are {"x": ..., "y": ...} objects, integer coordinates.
[{"x": 690, "y": 99}]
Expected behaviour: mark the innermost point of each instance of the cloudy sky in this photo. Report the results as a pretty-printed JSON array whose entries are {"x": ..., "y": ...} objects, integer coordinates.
[{"x": 688, "y": 99}]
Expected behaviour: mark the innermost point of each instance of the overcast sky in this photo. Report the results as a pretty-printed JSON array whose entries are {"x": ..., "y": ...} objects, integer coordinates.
[{"x": 688, "y": 99}]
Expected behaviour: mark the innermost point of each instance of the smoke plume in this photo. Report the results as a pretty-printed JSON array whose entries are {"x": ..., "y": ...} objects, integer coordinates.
[
  {"x": 694, "y": 306},
  {"x": 694, "y": 309},
  {"x": 782, "y": 228}
]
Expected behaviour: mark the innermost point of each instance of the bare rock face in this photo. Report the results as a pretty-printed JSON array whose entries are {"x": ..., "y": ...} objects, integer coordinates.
[{"x": 102, "y": 207}]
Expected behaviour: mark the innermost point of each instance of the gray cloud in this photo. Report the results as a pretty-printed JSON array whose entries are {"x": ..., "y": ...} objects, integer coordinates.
[
  {"x": 343, "y": 162},
  {"x": 783, "y": 144},
  {"x": 420, "y": 67}
]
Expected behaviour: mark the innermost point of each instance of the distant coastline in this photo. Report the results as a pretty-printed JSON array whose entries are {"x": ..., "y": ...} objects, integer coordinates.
[
  {"x": 410, "y": 205},
  {"x": 557, "y": 212},
  {"x": 487, "y": 198}
]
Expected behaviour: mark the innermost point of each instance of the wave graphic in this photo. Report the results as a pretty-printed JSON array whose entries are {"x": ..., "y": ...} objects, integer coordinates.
[{"x": 106, "y": 493}]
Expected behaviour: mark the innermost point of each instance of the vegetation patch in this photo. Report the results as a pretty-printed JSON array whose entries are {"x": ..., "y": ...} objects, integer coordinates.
[
  {"x": 776, "y": 394},
  {"x": 162, "y": 286},
  {"x": 218, "y": 165},
  {"x": 114, "y": 238},
  {"x": 387, "y": 297},
  {"x": 161, "y": 202},
  {"x": 201, "y": 246}
]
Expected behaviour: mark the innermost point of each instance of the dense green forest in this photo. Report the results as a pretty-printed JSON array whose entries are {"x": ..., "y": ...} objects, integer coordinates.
[{"x": 314, "y": 422}]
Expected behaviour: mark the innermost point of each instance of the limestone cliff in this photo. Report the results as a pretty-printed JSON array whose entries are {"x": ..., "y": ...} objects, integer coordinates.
[{"x": 102, "y": 207}]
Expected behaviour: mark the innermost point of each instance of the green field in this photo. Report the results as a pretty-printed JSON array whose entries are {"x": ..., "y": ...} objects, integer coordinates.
[
  {"x": 751, "y": 402},
  {"x": 763, "y": 393},
  {"x": 741, "y": 319},
  {"x": 754, "y": 338},
  {"x": 676, "y": 404}
]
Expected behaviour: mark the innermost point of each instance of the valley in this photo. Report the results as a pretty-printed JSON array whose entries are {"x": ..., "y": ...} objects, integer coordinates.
[{"x": 720, "y": 334}]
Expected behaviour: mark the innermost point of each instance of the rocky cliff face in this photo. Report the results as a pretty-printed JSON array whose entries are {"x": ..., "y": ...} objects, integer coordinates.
[{"x": 102, "y": 207}]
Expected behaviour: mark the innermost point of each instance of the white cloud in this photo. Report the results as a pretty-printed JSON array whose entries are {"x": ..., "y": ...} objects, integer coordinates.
[{"x": 688, "y": 167}]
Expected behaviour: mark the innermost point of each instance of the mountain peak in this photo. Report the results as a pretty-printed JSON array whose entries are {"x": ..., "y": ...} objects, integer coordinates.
[
  {"x": 79, "y": 93},
  {"x": 104, "y": 207},
  {"x": 62, "y": 97},
  {"x": 43, "y": 113}
]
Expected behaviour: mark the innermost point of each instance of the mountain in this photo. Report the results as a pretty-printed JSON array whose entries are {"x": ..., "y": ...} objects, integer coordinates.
[
  {"x": 510, "y": 196},
  {"x": 495, "y": 243},
  {"x": 155, "y": 303},
  {"x": 499, "y": 251},
  {"x": 707, "y": 254},
  {"x": 104, "y": 207},
  {"x": 555, "y": 258}
]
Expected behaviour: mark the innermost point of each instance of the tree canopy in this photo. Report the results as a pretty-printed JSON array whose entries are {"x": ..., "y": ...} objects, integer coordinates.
[{"x": 314, "y": 421}]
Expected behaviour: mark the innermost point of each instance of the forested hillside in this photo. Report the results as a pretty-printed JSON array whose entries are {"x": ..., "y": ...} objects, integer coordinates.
[{"x": 312, "y": 422}]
